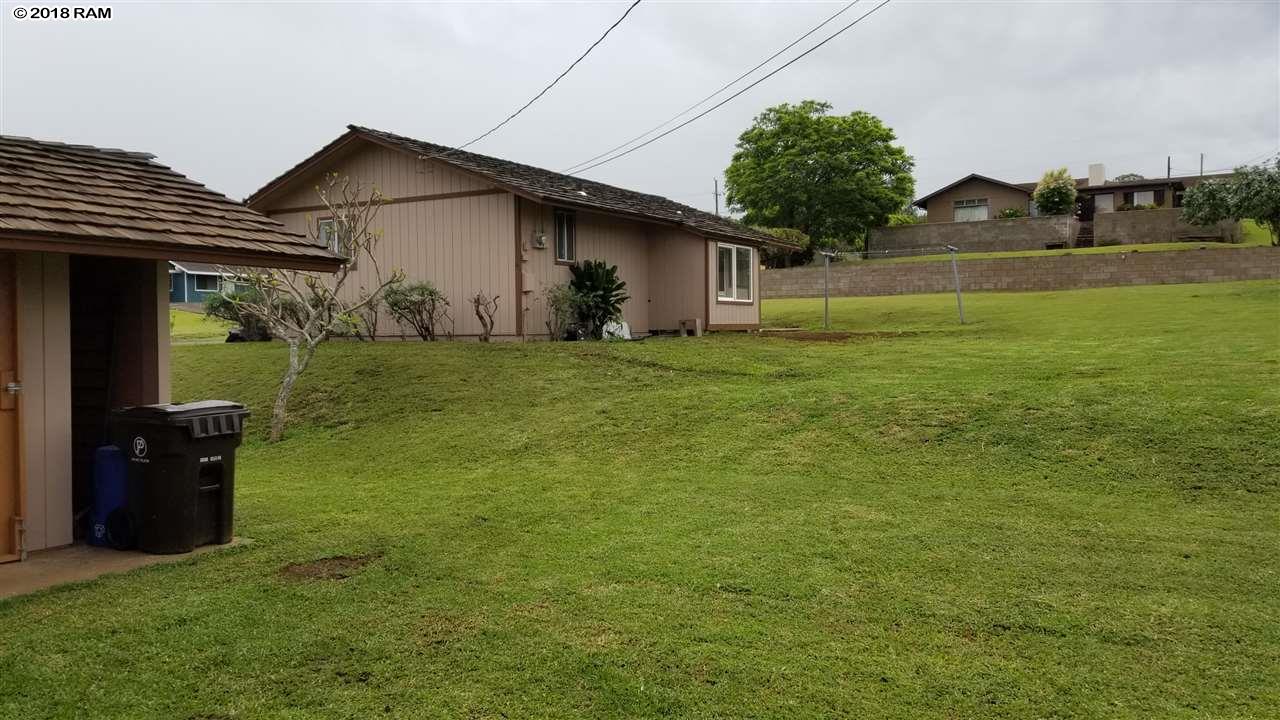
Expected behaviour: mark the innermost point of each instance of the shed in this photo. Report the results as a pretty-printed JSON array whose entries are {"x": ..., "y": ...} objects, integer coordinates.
[{"x": 86, "y": 237}]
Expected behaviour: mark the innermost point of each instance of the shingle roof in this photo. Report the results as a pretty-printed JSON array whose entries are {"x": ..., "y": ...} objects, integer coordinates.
[
  {"x": 553, "y": 187},
  {"x": 104, "y": 197}
]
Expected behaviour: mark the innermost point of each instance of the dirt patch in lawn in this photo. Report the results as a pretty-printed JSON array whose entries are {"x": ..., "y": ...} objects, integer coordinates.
[
  {"x": 812, "y": 336},
  {"x": 332, "y": 568}
]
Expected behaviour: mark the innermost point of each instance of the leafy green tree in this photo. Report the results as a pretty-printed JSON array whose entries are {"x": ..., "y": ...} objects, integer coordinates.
[
  {"x": 1126, "y": 177},
  {"x": 778, "y": 257},
  {"x": 600, "y": 295},
  {"x": 1056, "y": 193},
  {"x": 828, "y": 176},
  {"x": 1251, "y": 193}
]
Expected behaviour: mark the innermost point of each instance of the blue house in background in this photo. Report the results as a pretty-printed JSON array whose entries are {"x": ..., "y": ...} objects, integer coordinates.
[{"x": 192, "y": 282}]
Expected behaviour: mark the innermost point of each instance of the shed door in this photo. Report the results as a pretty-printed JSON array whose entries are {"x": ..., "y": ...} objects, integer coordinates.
[{"x": 9, "y": 495}]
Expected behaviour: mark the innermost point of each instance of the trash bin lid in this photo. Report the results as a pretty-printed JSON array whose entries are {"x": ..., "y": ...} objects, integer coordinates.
[
  {"x": 178, "y": 414},
  {"x": 207, "y": 418}
]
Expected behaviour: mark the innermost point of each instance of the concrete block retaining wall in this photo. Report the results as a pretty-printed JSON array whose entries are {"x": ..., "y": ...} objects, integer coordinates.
[
  {"x": 984, "y": 236},
  {"x": 1136, "y": 227},
  {"x": 1053, "y": 272}
]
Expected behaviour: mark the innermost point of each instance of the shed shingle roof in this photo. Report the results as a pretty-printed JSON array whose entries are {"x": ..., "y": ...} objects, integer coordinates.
[
  {"x": 116, "y": 198},
  {"x": 551, "y": 187}
]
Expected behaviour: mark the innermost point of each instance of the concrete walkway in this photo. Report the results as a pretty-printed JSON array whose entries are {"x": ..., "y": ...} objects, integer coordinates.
[{"x": 77, "y": 563}]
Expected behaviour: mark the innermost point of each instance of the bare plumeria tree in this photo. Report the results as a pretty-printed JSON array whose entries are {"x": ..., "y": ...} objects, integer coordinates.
[
  {"x": 305, "y": 309},
  {"x": 486, "y": 308}
]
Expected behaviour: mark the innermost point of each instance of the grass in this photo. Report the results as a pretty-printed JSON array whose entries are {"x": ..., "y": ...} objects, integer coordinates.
[
  {"x": 1251, "y": 233},
  {"x": 189, "y": 327},
  {"x": 1067, "y": 508}
]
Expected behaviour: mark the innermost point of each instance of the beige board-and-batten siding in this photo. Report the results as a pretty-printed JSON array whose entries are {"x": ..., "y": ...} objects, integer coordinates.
[
  {"x": 460, "y": 233},
  {"x": 44, "y": 366},
  {"x": 731, "y": 314},
  {"x": 438, "y": 225}
]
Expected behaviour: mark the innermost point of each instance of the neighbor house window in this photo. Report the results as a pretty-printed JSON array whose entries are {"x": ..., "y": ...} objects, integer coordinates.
[
  {"x": 1104, "y": 203},
  {"x": 206, "y": 283},
  {"x": 328, "y": 234},
  {"x": 734, "y": 265},
  {"x": 173, "y": 285},
  {"x": 971, "y": 210},
  {"x": 1144, "y": 197},
  {"x": 566, "y": 236}
]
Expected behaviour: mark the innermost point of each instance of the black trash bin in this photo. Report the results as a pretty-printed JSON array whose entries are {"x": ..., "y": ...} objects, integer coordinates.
[{"x": 181, "y": 472}]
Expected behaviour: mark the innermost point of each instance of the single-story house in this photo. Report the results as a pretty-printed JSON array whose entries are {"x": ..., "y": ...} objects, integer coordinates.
[
  {"x": 191, "y": 282},
  {"x": 471, "y": 223},
  {"x": 86, "y": 236},
  {"x": 978, "y": 197}
]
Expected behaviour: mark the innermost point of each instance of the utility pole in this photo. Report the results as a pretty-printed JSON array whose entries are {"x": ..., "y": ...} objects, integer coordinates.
[
  {"x": 1168, "y": 167},
  {"x": 717, "y": 191},
  {"x": 1201, "y": 164}
]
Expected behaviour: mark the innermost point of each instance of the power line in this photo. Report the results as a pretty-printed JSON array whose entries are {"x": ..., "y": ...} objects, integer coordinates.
[
  {"x": 720, "y": 104},
  {"x": 719, "y": 90},
  {"x": 553, "y": 82}
]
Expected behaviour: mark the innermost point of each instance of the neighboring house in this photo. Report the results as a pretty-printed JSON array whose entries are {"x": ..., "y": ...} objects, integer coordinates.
[
  {"x": 470, "y": 223},
  {"x": 192, "y": 282},
  {"x": 977, "y": 197},
  {"x": 85, "y": 239}
]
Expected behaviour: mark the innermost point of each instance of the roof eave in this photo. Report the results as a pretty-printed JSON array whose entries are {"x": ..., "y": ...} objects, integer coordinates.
[{"x": 111, "y": 247}]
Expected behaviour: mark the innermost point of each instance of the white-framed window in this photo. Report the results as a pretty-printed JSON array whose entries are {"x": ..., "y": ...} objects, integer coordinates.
[
  {"x": 173, "y": 283},
  {"x": 971, "y": 210},
  {"x": 327, "y": 231},
  {"x": 735, "y": 265},
  {"x": 207, "y": 283},
  {"x": 1104, "y": 203},
  {"x": 1144, "y": 197},
  {"x": 566, "y": 234}
]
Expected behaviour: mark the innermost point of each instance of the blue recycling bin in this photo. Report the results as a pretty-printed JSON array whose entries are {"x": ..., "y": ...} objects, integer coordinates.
[{"x": 109, "y": 524}]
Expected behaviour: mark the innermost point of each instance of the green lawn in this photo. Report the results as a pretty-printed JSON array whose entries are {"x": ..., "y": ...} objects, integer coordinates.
[
  {"x": 190, "y": 327},
  {"x": 1251, "y": 233},
  {"x": 1068, "y": 508}
]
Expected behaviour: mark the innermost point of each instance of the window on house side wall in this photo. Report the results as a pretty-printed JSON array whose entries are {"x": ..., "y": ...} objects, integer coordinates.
[
  {"x": 971, "y": 210},
  {"x": 734, "y": 268},
  {"x": 206, "y": 283},
  {"x": 566, "y": 236},
  {"x": 1144, "y": 197},
  {"x": 328, "y": 234}
]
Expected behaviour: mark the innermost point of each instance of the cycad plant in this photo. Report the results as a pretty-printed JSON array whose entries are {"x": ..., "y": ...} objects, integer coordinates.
[{"x": 600, "y": 295}]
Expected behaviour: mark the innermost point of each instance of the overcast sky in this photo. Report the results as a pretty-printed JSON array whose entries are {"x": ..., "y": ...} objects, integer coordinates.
[{"x": 232, "y": 94}]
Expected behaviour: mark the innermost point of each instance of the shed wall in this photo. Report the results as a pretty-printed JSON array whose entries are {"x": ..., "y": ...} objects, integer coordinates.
[{"x": 45, "y": 373}]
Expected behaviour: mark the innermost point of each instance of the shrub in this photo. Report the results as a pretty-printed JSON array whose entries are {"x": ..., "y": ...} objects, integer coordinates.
[
  {"x": 1010, "y": 213},
  {"x": 1252, "y": 193},
  {"x": 562, "y": 311},
  {"x": 776, "y": 257},
  {"x": 1056, "y": 193},
  {"x": 600, "y": 295},
  {"x": 422, "y": 307},
  {"x": 224, "y": 307}
]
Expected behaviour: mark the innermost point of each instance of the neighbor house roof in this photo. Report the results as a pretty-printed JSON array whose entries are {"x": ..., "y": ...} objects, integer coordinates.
[
  {"x": 195, "y": 268},
  {"x": 921, "y": 202},
  {"x": 1083, "y": 183},
  {"x": 543, "y": 186},
  {"x": 82, "y": 199}
]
